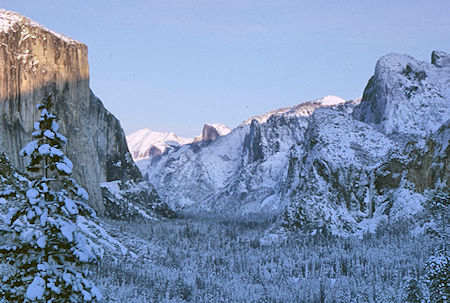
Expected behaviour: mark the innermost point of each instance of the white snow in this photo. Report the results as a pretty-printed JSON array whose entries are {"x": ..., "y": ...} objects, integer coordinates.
[
  {"x": 32, "y": 194},
  {"x": 81, "y": 192},
  {"x": 67, "y": 230},
  {"x": 304, "y": 109},
  {"x": 330, "y": 101},
  {"x": 221, "y": 129},
  {"x": 66, "y": 166},
  {"x": 63, "y": 167},
  {"x": 42, "y": 241},
  {"x": 10, "y": 21},
  {"x": 141, "y": 141},
  {"x": 55, "y": 126},
  {"x": 35, "y": 290},
  {"x": 49, "y": 134},
  {"x": 71, "y": 206},
  {"x": 29, "y": 148}
]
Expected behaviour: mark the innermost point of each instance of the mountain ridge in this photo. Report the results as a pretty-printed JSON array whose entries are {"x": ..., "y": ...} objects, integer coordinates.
[
  {"x": 315, "y": 165},
  {"x": 146, "y": 143}
]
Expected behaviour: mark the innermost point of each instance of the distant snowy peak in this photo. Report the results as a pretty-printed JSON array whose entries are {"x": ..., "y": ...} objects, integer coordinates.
[
  {"x": 407, "y": 96},
  {"x": 305, "y": 109},
  {"x": 147, "y": 143},
  {"x": 12, "y": 21},
  {"x": 212, "y": 131},
  {"x": 329, "y": 101}
]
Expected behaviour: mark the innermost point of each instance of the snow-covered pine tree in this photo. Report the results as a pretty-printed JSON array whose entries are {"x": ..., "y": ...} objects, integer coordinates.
[
  {"x": 49, "y": 247},
  {"x": 438, "y": 265},
  {"x": 438, "y": 278},
  {"x": 412, "y": 289}
]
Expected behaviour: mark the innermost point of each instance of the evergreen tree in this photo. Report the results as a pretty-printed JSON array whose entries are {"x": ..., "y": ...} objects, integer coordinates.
[
  {"x": 439, "y": 209},
  {"x": 413, "y": 293},
  {"x": 438, "y": 278},
  {"x": 438, "y": 265},
  {"x": 49, "y": 248}
]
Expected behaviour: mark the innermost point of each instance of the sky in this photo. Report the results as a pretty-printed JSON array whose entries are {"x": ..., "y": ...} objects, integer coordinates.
[{"x": 174, "y": 65}]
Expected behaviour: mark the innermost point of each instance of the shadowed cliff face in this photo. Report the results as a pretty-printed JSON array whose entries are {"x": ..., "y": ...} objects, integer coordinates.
[{"x": 34, "y": 62}]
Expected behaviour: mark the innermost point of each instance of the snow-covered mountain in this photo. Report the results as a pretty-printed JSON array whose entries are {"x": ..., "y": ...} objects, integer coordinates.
[
  {"x": 406, "y": 96},
  {"x": 212, "y": 132},
  {"x": 239, "y": 172},
  {"x": 350, "y": 175},
  {"x": 301, "y": 109},
  {"x": 316, "y": 164},
  {"x": 146, "y": 143}
]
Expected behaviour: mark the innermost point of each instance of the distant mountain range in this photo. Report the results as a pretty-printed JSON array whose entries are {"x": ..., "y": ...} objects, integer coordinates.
[
  {"x": 323, "y": 164},
  {"x": 331, "y": 165},
  {"x": 146, "y": 143}
]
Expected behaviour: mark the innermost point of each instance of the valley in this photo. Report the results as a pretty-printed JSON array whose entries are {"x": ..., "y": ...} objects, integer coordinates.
[
  {"x": 327, "y": 200},
  {"x": 214, "y": 259}
]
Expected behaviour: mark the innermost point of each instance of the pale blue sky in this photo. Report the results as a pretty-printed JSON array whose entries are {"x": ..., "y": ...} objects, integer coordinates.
[{"x": 174, "y": 65}]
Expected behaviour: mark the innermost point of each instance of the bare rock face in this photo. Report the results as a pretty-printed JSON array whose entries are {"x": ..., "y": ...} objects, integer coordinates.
[
  {"x": 209, "y": 133},
  {"x": 34, "y": 62}
]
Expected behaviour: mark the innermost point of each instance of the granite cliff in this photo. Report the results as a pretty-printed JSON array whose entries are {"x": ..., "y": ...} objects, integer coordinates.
[{"x": 35, "y": 61}]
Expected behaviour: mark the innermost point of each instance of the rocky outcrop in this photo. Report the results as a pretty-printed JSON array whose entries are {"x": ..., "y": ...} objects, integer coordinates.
[
  {"x": 417, "y": 170},
  {"x": 209, "y": 133},
  {"x": 35, "y": 61},
  {"x": 406, "y": 96},
  {"x": 212, "y": 132},
  {"x": 330, "y": 182},
  {"x": 349, "y": 175},
  {"x": 440, "y": 59},
  {"x": 239, "y": 173}
]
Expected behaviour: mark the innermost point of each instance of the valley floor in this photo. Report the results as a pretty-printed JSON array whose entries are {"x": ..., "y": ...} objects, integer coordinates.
[{"x": 220, "y": 260}]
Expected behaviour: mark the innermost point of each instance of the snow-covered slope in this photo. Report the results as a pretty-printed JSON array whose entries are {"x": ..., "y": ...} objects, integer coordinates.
[
  {"x": 240, "y": 172},
  {"x": 302, "y": 109},
  {"x": 329, "y": 184},
  {"x": 350, "y": 175},
  {"x": 147, "y": 143},
  {"x": 319, "y": 164},
  {"x": 414, "y": 174},
  {"x": 406, "y": 96},
  {"x": 9, "y": 21}
]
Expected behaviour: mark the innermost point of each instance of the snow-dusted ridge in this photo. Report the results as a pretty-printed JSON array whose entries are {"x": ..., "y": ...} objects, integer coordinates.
[
  {"x": 146, "y": 143},
  {"x": 302, "y": 109},
  {"x": 141, "y": 142},
  {"x": 315, "y": 163},
  {"x": 9, "y": 21},
  {"x": 239, "y": 172}
]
